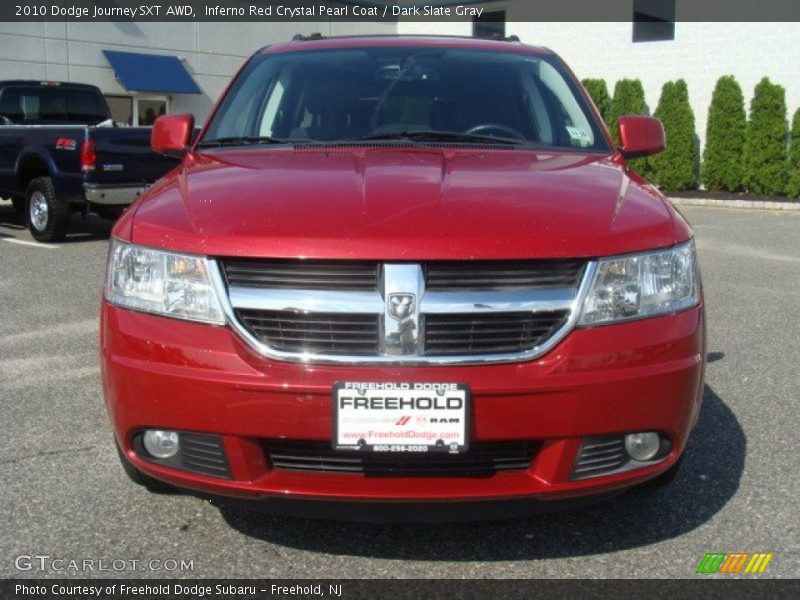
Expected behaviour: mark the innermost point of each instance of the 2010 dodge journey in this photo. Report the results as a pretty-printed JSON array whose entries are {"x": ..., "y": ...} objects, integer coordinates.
[{"x": 405, "y": 274}]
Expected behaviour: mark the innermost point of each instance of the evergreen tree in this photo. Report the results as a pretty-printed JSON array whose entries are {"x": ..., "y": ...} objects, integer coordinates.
[
  {"x": 598, "y": 90},
  {"x": 765, "y": 155},
  {"x": 793, "y": 188},
  {"x": 628, "y": 100},
  {"x": 723, "y": 165},
  {"x": 676, "y": 167}
]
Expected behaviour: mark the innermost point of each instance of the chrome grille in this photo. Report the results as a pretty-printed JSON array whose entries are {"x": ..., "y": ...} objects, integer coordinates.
[
  {"x": 468, "y": 312},
  {"x": 317, "y": 333},
  {"x": 510, "y": 275},
  {"x": 301, "y": 274},
  {"x": 599, "y": 456},
  {"x": 482, "y": 458},
  {"x": 489, "y": 333}
]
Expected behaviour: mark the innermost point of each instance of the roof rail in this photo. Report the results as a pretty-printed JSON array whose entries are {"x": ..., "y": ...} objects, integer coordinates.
[
  {"x": 499, "y": 37},
  {"x": 299, "y": 37}
]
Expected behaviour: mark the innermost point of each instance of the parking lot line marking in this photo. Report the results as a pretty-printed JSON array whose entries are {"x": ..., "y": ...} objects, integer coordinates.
[{"x": 27, "y": 243}]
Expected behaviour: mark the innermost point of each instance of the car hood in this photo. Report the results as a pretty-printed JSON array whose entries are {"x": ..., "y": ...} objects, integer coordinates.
[{"x": 402, "y": 204}]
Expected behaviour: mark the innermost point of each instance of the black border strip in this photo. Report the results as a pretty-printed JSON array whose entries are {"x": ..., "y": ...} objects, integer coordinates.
[
  {"x": 408, "y": 589},
  {"x": 386, "y": 10}
]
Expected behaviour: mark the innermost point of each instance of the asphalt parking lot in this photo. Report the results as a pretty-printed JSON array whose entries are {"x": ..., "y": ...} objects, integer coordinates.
[{"x": 64, "y": 494}]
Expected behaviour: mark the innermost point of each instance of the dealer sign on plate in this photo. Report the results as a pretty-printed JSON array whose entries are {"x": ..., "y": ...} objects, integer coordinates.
[{"x": 400, "y": 417}]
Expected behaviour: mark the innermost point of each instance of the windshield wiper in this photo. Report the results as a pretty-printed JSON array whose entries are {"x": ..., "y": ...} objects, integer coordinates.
[
  {"x": 438, "y": 136},
  {"x": 246, "y": 140}
]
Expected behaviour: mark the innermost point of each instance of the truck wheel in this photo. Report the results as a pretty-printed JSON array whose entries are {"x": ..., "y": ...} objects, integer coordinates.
[
  {"x": 18, "y": 204},
  {"x": 136, "y": 476},
  {"x": 46, "y": 215}
]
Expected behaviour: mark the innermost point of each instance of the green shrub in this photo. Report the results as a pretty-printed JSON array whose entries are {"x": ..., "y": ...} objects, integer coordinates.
[
  {"x": 765, "y": 155},
  {"x": 598, "y": 90},
  {"x": 676, "y": 167},
  {"x": 628, "y": 100},
  {"x": 793, "y": 188},
  {"x": 723, "y": 164}
]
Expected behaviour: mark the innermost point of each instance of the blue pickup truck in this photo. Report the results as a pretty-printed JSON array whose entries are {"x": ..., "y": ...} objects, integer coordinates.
[{"x": 61, "y": 153}]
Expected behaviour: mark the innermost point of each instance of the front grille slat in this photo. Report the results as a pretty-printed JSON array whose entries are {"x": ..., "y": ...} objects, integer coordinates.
[
  {"x": 473, "y": 334},
  {"x": 301, "y": 274},
  {"x": 507, "y": 275},
  {"x": 483, "y": 458},
  {"x": 317, "y": 333}
]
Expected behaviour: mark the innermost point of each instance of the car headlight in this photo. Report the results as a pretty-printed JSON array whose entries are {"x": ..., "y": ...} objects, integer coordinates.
[
  {"x": 163, "y": 283},
  {"x": 642, "y": 285}
]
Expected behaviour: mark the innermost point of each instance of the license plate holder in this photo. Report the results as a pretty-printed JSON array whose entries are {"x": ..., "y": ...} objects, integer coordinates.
[{"x": 401, "y": 417}]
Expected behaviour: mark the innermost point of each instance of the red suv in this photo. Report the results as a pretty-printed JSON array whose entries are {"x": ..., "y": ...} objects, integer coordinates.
[{"x": 403, "y": 272}]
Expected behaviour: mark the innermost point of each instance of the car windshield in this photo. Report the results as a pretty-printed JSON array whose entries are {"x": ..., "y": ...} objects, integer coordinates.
[{"x": 407, "y": 94}]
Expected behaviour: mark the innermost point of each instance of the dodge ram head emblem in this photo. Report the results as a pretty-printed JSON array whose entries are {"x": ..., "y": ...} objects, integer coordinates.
[{"x": 401, "y": 306}]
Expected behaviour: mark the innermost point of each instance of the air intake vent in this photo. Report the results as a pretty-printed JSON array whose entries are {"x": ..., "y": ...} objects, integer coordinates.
[
  {"x": 600, "y": 456},
  {"x": 203, "y": 454},
  {"x": 483, "y": 458},
  {"x": 507, "y": 275},
  {"x": 317, "y": 333},
  {"x": 490, "y": 333},
  {"x": 301, "y": 274}
]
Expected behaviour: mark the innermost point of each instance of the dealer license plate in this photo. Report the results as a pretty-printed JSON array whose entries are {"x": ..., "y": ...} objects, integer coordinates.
[{"x": 400, "y": 417}]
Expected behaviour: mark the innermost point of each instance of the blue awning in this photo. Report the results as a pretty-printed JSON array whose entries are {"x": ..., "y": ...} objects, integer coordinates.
[{"x": 151, "y": 73}]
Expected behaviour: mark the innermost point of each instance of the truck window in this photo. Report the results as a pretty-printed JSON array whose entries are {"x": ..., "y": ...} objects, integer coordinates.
[
  {"x": 85, "y": 106},
  {"x": 52, "y": 105},
  {"x": 20, "y": 105}
]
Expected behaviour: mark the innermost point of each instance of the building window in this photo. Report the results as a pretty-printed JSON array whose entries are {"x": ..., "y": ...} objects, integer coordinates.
[
  {"x": 148, "y": 109},
  {"x": 137, "y": 110},
  {"x": 490, "y": 24},
  {"x": 653, "y": 20}
]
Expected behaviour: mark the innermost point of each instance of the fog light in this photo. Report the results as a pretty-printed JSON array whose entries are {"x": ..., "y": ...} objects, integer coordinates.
[
  {"x": 161, "y": 444},
  {"x": 642, "y": 446}
]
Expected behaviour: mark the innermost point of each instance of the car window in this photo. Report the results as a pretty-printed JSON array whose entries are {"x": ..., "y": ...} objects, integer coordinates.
[{"x": 345, "y": 94}]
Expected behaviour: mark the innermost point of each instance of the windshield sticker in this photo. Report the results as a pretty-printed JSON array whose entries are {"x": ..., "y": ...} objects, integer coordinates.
[{"x": 579, "y": 135}]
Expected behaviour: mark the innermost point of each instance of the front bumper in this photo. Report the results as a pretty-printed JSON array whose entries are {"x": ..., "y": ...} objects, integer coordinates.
[{"x": 169, "y": 374}]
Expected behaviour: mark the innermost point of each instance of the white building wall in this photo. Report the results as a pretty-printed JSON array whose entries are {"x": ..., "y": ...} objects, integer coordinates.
[
  {"x": 211, "y": 52},
  {"x": 700, "y": 54}
]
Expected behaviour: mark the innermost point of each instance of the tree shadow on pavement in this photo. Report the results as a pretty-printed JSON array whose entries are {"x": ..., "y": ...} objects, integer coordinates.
[{"x": 708, "y": 479}]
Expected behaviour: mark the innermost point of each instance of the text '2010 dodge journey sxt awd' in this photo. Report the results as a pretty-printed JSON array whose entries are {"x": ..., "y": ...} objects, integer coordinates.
[{"x": 403, "y": 273}]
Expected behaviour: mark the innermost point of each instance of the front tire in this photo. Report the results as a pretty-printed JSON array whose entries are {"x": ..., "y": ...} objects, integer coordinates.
[
  {"x": 665, "y": 478},
  {"x": 46, "y": 216},
  {"x": 136, "y": 476}
]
